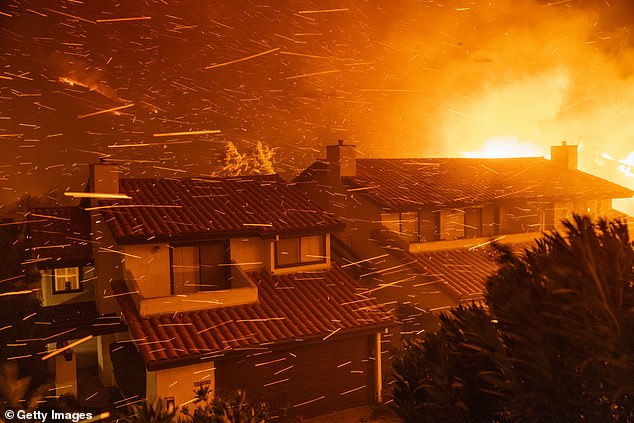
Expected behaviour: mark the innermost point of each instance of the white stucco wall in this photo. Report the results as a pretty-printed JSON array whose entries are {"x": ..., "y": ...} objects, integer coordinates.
[
  {"x": 181, "y": 382},
  {"x": 150, "y": 267},
  {"x": 249, "y": 253},
  {"x": 107, "y": 262}
]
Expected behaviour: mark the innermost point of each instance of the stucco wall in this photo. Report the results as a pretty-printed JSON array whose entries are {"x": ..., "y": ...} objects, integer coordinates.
[
  {"x": 149, "y": 265},
  {"x": 249, "y": 253},
  {"x": 181, "y": 382},
  {"x": 107, "y": 262}
]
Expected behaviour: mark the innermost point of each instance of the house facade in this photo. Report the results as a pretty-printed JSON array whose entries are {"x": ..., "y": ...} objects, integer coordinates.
[
  {"x": 223, "y": 284},
  {"x": 427, "y": 223},
  {"x": 60, "y": 245}
]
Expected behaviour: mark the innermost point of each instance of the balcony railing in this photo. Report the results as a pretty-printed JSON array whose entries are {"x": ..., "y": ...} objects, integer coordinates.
[
  {"x": 242, "y": 292},
  {"x": 420, "y": 247}
]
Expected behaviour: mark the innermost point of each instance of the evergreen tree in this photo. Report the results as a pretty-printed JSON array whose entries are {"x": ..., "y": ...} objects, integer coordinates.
[
  {"x": 554, "y": 343},
  {"x": 258, "y": 161},
  {"x": 21, "y": 368}
]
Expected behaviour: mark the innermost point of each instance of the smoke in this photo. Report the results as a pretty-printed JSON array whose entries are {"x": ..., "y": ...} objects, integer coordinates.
[{"x": 396, "y": 77}]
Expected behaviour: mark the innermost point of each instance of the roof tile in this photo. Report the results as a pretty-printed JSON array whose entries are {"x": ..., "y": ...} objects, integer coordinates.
[
  {"x": 293, "y": 306},
  {"x": 61, "y": 235},
  {"x": 455, "y": 181},
  {"x": 163, "y": 209}
]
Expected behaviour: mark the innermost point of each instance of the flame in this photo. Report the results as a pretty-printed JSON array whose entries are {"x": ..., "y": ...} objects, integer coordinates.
[
  {"x": 505, "y": 146},
  {"x": 90, "y": 84}
]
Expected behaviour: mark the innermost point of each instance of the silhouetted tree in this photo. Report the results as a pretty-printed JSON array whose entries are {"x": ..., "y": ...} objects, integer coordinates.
[
  {"x": 554, "y": 342},
  {"x": 258, "y": 161},
  {"x": 21, "y": 368}
]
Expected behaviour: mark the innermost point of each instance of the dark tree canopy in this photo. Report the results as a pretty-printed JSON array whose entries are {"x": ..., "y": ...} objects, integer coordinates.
[
  {"x": 20, "y": 311},
  {"x": 554, "y": 341}
]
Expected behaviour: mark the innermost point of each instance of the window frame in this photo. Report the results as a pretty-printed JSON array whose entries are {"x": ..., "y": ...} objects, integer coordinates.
[
  {"x": 299, "y": 263},
  {"x": 67, "y": 291},
  {"x": 226, "y": 243}
]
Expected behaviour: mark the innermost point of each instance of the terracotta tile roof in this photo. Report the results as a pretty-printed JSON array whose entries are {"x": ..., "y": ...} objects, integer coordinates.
[
  {"x": 162, "y": 209},
  {"x": 291, "y": 307},
  {"x": 456, "y": 181},
  {"x": 61, "y": 235},
  {"x": 464, "y": 271}
]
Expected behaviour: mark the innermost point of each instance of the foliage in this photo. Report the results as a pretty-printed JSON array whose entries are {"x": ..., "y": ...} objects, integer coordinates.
[
  {"x": 148, "y": 411},
  {"x": 16, "y": 391},
  {"x": 207, "y": 409},
  {"x": 20, "y": 310},
  {"x": 258, "y": 161},
  {"x": 216, "y": 409},
  {"x": 554, "y": 343}
]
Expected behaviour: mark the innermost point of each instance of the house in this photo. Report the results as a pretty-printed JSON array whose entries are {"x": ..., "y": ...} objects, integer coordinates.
[
  {"x": 225, "y": 284},
  {"x": 59, "y": 243},
  {"x": 427, "y": 223}
]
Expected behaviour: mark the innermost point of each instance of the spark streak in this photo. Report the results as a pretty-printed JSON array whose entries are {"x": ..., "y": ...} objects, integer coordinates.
[
  {"x": 91, "y": 195},
  {"x": 113, "y": 109},
  {"x": 138, "y": 18},
  {"x": 242, "y": 59},
  {"x": 306, "y": 12},
  {"x": 175, "y": 134},
  {"x": 67, "y": 347},
  {"x": 306, "y": 75}
]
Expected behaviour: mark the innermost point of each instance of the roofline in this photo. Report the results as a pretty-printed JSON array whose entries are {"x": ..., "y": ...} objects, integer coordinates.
[
  {"x": 171, "y": 363},
  {"x": 213, "y": 236}
]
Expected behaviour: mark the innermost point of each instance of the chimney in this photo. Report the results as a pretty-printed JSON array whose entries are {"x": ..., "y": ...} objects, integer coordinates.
[
  {"x": 564, "y": 155},
  {"x": 342, "y": 159},
  {"x": 103, "y": 178}
]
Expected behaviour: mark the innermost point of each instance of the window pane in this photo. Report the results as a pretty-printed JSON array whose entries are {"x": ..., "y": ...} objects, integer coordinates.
[
  {"x": 409, "y": 226},
  {"x": 287, "y": 251},
  {"x": 429, "y": 225},
  {"x": 451, "y": 224},
  {"x": 185, "y": 269},
  {"x": 473, "y": 222},
  {"x": 213, "y": 276},
  {"x": 67, "y": 279},
  {"x": 312, "y": 248}
]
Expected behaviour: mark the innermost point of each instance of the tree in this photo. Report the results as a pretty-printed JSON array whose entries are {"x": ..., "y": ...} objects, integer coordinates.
[
  {"x": 21, "y": 369},
  {"x": 554, "y": 341},
  {"x": 258, "y": 161}
]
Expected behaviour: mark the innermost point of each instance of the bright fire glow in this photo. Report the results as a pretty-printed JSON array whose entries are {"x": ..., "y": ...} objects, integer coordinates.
[
  {"x": 507, "y": 146},
  {"x": 626, "y": 165}
]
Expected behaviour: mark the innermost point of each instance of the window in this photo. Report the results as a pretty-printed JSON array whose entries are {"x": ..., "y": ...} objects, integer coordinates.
[
  {"x": 409, "y": 226},
  {"x": 200, "y": 267},
  {"x": 473, "y": 222},
  {"x": 429, "y": 225},
  {"x": 66, "y": 279},
  {"x": 300, "y": 250}
]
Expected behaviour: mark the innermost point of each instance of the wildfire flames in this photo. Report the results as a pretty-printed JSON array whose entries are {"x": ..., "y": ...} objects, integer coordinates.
[{"x": 408, "y": 78}]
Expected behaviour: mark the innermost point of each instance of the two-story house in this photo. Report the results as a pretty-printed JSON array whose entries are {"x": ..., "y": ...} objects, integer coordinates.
[
  {"x": 60, "y": 245},
  {"x": 229, "y": 284},
  {"x": 429, "y": 221}
]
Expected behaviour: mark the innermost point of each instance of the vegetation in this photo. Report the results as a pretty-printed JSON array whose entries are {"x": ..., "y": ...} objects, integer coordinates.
[
  {"x": 207, "y": 409},
  {"x": 258, "y": 161},
  {"x": 22, "y": 371},
  {"x": 554, "y": 341}
]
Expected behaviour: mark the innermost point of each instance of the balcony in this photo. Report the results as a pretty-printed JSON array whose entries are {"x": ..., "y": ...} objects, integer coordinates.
[
  {"x": 421, "y": 247},
  {"x": 242, "y": 292}
]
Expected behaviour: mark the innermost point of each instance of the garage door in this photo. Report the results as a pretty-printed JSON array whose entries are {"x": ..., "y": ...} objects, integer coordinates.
[{"x": 305, "y": 380}]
